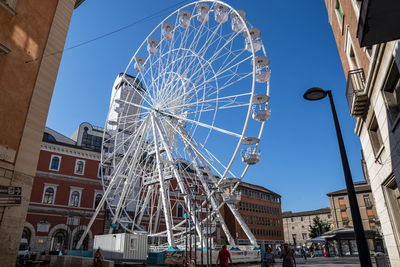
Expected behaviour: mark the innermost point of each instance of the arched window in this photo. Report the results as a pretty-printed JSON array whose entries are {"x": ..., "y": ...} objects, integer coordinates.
[
  {"x": 74, "y": 200},
  {"x": 97, "y": 200},
  {"x": 180, "y": 211},
  {"x": 79, "y": 167},
  {"x": 77, "y": 237},
  {"x": 55, "y": 163},
  {"x": 27, "y": 234},
  {"x": 48, "y": 195},
  {"x": 60, "y": 240}
]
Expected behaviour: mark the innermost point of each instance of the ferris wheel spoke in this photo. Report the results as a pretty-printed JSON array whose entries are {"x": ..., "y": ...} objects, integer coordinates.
[{"x": 177, "y": 175}]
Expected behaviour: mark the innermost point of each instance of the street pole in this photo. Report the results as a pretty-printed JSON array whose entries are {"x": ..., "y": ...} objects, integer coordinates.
[
  {"x": 186, "y": 240},
  {"x": 195, "y": 233},
  {"x": 363, "y": 251}
]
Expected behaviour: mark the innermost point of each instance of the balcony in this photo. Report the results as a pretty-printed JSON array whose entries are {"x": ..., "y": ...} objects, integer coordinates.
[
  {"x": 356, "y": 94},
  {"x": 342, "y": 207}
]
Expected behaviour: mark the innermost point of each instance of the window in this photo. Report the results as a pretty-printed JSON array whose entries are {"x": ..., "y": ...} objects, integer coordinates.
[
  {"x": 79, "y": 167},
  {"x": 392, "y": 199},
  {"x": 367, "y": 201},
  {"x": 357, "y": 6},
  {"x": 49, "y": 193},
  {"x": 342, "y": 205},
  {"x": 75, "y": 196},
  {"x": 301, "y": 218},
  {"x": 372, "y": 225},
  {"x": 179, "y": 211},
  {"x": 375, "y": 136},
  {"x": 97, "y": 199},
  {"x": 291, "y": 219},
  {"x": 391, "y": 91},
  {"x": 344, "y": 215},
  {"x": 304, "y": 236},
  {"x": 3, "y": 49},
  {"x": 349, "y": 49},
  {"x": 339, "y": 14},
  {"x": 48, "y": 196},
  {"x": 294, "y": 238},
  {"x": 48, "y": 138},
  {"x": 91, "y": 141},
  {"x": 9, "y": 6},
  {"x": 55, "y": 163}
]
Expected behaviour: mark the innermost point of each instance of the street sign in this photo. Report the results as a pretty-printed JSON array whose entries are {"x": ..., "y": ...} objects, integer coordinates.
[{"x": 10, "y": 195}]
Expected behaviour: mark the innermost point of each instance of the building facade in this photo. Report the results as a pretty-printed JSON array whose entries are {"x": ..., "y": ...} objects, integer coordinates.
[
  {"x": 372, "y": 91},
  {"x": 341, "y": 214},
  {"x": 340, "y": 207},
  {"x": 28, "y": 31},
  {"x": 296, "y": 225},
  {"x": 261, "y": 210},
  {"x": 66, "y": 190}
]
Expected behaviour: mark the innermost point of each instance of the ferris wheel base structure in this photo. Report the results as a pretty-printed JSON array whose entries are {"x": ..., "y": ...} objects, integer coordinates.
[{"x": 184, "y": 125}]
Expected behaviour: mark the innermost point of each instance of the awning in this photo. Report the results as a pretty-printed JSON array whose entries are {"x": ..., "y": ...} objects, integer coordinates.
[
  {"x": 318, "y": 239},
  {"x": 328, "y": 236}
]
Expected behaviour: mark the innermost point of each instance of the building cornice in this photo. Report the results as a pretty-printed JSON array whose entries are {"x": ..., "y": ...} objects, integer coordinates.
[
  {"x": 71, "y": 151},
  {"x": 68, "y": 178}
]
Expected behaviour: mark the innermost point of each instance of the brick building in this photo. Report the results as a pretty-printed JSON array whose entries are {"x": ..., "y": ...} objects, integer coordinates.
[
  {"x": 364, "y": 32},
  {"x": 28, "y": 31},
  {"x": 65, "y": 191},
  {"x": 261, "y": 210},
  {"x": 296, "y": 225}
]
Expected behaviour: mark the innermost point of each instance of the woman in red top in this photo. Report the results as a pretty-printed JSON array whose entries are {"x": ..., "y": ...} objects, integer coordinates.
[{"x": 223, "y": 257}]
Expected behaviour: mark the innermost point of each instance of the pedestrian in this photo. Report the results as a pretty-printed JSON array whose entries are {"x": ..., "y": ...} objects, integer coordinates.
[
  {"x": 268, "y": 260},
  {"x": 223, "y": 256},
  {"x": 288, "y": 256},
  {"x": 97, "y": 259},
  {"x": 311, "y": 251},
  {"x": 303, "y": 254}
]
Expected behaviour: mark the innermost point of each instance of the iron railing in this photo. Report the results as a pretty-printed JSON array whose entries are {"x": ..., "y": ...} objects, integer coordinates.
[{"x": 355, "y": 92}]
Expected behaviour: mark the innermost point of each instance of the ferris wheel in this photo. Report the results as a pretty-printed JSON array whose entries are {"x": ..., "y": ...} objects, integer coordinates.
[{"x": 184, "y": 124}]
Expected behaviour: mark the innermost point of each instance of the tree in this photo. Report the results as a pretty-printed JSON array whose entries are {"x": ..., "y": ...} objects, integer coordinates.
[{"x": 319, "y": 227}]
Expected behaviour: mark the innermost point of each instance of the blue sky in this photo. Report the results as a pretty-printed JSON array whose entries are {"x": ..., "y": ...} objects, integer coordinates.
[{"x": 300, "y": 159}]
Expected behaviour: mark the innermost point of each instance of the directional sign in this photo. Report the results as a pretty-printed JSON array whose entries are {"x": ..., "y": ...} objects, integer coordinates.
[{"x": 10, "y": 195}]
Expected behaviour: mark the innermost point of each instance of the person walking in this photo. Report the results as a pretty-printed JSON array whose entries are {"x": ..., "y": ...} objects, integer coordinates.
[
  {"x": 303, "y": 254},
  {"x": 268, "y": 260},
  {"x": 288, "y": 256},
  {"x": 223, "y": 256}
]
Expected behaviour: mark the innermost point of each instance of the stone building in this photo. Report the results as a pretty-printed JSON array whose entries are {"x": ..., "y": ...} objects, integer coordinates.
[
  {"x": 28, "y": 31},
  {"x": 261, "y": 210},
  {"x": 296, "y": 225},
  {"x": 340, "y": 207},
  {"x": 65, "y": 192},
  {"x": 365, "y": 34}
]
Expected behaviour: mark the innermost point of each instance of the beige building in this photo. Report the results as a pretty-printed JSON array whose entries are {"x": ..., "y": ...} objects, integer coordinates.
[
  {"x": 340, "y": 207},
  {"x": 365, "y": 34},
  {"x": 296, "y": 225},
  {"x": 29, "y": 32}
]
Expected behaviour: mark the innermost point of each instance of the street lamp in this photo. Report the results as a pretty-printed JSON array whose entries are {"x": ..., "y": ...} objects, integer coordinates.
[{"x": 317, "y": 93}]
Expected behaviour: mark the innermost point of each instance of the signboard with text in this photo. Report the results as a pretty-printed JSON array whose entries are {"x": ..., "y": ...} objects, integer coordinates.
[{"x": 10, "y": 195}]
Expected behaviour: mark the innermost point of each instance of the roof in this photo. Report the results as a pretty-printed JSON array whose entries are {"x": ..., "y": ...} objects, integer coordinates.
[
  {"x": 258, "y": 187},
  {"x": 288, "y": 214},
  {"x": 360, "y": 187}
]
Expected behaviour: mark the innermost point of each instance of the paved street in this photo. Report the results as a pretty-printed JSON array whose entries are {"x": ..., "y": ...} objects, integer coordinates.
[{"x": 325, "y": 262}]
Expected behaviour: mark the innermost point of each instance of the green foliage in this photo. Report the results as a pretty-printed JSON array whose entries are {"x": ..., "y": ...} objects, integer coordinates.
[{"x": 319, "y": 227}]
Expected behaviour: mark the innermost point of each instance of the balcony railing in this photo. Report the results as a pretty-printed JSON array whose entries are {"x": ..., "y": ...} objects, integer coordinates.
[{"x": 356, "y": 94}]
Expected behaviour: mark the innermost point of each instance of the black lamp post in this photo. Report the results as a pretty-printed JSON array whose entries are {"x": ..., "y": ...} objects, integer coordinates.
[{"x": 317, "y": 93}]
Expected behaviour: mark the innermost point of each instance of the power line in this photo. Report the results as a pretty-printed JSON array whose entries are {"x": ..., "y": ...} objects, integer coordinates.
[{"x": 154, "y": 15}]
